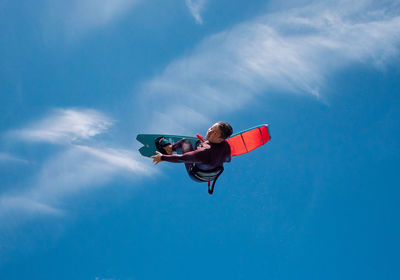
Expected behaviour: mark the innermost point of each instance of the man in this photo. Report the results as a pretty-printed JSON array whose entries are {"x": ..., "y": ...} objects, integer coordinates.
[{"x": 204, "y": 163}]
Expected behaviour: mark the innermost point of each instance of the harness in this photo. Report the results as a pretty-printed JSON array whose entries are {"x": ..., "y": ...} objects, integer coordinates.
[{"x": 207, "y": 176}]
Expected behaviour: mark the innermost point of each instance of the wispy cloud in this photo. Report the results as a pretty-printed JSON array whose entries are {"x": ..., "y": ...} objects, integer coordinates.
[
  {"x": 64, "y": 126},
  {"x": 80, "y": 165},
  {"x": 7, "y": 158},
  {"x": 77, "y": 17},
  {"x": 118, "y": 158},
  {"x": 22, "y": 203},
  {"x": 294, "y": 51},
  {"x": 196, "y": 7},
  {"x": 67, "y": 174}
]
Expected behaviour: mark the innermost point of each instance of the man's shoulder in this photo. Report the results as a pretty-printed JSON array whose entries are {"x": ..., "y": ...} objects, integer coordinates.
[
  {"x": 226, "y": 144},
  {"x": 223, "y": 147},
  {"x": 227, "y": 149}
]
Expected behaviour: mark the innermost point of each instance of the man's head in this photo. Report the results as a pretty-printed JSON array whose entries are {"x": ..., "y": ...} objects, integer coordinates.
[{"x": 219, "y": 132}]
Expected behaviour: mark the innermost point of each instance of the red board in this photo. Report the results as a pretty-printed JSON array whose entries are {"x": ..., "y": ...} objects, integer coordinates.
[{"x": 248, "y": 140}]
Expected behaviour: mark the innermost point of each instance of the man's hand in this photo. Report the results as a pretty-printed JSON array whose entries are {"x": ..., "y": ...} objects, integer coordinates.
[{"x": 157, "y": 158}]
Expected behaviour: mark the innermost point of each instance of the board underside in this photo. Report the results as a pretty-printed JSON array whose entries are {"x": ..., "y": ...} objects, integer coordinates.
[
  {"x": 248, "y": 140},
  {"x": 149, "y": 148}
]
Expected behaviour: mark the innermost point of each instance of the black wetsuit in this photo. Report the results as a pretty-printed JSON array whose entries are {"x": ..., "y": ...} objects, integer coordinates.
[{"x": 208, "y": 156}]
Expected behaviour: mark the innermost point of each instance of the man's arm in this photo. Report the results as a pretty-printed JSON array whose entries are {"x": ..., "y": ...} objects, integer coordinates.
[{"x": 197, "y": 156}]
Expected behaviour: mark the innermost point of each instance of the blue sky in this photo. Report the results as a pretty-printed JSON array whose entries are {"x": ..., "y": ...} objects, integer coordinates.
[{"x": 80, "y": 79}]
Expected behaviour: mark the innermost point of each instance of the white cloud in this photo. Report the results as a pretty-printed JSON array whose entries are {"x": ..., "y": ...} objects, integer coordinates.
[
  {"x": 185, "y": 116},
  {"x": 65, "y": 125},
  {"x": 77, "y": 167},
  {"x": 7, "y": 158},
  {"x": 78, "y": 17},
  {"x": 23, "y": 204},
  {"x": 294, "y": 51},
  {"x": 196, "y": 7},
  {"x": 82, "y": 167},
  {"x": 68, "y": 173},
  {"x": 121, "y": 159}
]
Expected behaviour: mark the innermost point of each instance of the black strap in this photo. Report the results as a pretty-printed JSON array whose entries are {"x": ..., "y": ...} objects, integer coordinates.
[{"x": 211, "y": 190}]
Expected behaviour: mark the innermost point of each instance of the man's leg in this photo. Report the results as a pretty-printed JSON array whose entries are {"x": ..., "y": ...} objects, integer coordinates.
[{"x": 185, "y": 146}]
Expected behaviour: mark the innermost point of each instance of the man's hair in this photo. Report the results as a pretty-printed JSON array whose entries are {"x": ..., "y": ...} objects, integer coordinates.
[{"x": 226, "y": 129}]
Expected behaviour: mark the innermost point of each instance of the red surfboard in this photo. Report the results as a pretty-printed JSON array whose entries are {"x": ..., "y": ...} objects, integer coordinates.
[{"x": 248, "y": 140}]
